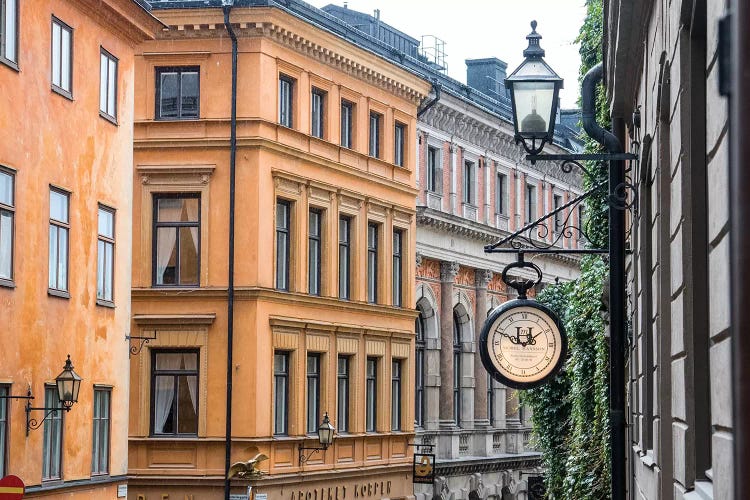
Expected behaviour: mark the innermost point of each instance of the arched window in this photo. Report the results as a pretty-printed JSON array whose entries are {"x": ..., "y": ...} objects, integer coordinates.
[
  {"x": 419, "y": 402},
  {"x": 456, "y": 369}
]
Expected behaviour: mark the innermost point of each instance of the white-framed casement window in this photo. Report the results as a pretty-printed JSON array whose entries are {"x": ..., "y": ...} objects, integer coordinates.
[
  {"x": 105, "y": 262},
  {"x": 434, "y": 170},
  {"x": 399, "y": 140},
  {"x": 9, "y": 32},
  {"x": 7, "y": 217},
  {"x": 313, "y": 392},
  {"x": 317, "y": 112},
  {"x": 372, "y": 263},
  {"x": 62, "y": 58},
  {"x": 101, "y": 438},
  {"x": 52, "y": 438},
  {"x": 347, "y": 124},
  {"x": 376, "y": 125},
  {"x": 314, "y": 251},
  {"x": 371, "y": 399},
  {"x": 108, "y": 85},
  {"x": 281, "y": 393},
  {"x": 283, "y": 244},
  {"x": 396, "y": 391},
  {"x": 342, "y": 393},
  {"x": 59, "y": 229},
  {"x": 398, "y": 267},
  {"x": 345, "y": 256},
  {"x": 286, "y": 94}
]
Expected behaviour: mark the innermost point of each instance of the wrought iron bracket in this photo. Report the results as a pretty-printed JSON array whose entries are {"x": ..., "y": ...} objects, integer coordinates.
[
  {"x": 33, "y": 423},
  {"x": 533, "y": 158},
  {"x": 304, "y": 458},
  {"x": 134, "y": 350}
]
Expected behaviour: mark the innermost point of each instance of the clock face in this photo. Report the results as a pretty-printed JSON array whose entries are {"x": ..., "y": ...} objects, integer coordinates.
[{"x": 522, "y": 344}]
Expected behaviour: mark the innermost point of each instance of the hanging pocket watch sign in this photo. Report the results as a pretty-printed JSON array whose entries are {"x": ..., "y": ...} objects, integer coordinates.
[{"x": 523, "y": 343}]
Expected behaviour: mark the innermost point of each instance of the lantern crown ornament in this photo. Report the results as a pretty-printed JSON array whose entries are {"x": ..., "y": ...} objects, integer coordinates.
[{"x": 534, "y": 89}]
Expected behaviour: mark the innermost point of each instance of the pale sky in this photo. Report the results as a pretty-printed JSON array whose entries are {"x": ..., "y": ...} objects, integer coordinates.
[{"x": 475, "y": 29}]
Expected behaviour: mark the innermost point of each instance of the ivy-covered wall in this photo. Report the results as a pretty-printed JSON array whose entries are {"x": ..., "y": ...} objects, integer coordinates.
[{"x": 570, "y": 414}]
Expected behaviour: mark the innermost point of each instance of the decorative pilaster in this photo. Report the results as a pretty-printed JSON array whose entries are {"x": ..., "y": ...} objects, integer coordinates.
[
  {"x": 482, "y": 279},
  {"x": 454, "y": 178},
  {"x": 448, "y": 272}
]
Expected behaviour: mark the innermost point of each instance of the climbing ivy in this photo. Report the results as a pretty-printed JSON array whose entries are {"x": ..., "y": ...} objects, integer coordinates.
[{"x": 570, "y": 414}]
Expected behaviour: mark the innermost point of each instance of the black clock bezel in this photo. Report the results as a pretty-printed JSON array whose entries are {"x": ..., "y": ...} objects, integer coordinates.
[{"x": 484, "y": 346}]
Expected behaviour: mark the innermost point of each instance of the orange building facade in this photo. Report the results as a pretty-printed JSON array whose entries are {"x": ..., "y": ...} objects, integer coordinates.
[
  {"x": 66, "y": 74},
  {"x": 324, "y": 273}
]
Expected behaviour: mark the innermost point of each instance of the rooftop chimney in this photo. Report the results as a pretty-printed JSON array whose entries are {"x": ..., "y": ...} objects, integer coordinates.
[{"x": 486, "y": 76}]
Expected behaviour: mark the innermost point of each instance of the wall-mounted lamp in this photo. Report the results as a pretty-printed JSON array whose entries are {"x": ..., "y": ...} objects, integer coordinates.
[
  {"x": 325, "y": 437},
  {"x": 68, "y": 385}
]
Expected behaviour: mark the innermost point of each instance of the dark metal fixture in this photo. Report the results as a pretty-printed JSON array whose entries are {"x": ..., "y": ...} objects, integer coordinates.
[
  {"x": 534, "y": 87},
  {"x": 325, "y": 438},
  {"x": 134, "y": 350}
]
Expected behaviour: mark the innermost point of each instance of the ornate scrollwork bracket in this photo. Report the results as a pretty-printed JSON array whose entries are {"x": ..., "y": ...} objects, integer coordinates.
[{"x": 134, "y": 350}]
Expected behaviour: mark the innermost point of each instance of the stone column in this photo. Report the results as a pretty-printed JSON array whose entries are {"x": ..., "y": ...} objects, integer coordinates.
[
  {"x": 512, "y": 205},
  {"x": 448, "y": 272},
  {"x": 482, "y": 278},
  {"x": 454, "y": 178}
]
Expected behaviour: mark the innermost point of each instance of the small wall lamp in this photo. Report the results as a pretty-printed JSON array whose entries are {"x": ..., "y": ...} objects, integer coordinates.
[{"x": 325, "y": 436}]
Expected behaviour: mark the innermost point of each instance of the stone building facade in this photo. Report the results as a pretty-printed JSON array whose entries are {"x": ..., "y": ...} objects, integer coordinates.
[{"x": 661, "y": 62}]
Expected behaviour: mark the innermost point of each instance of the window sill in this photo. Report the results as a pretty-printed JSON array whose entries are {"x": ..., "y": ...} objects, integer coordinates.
[
  {"x": 7, "y": 283},
  {"x": 11, "y": 64},
  {"x": 180, "y": 287},
  {"x": 111, "y": 119},
  {"x": 60, "y": 91},
  {"x": 58, "y": 293},
  {"x": 177, "y": 119},
  {"x": 105, "y": 303},
  {"x": 173, "y": 436}
]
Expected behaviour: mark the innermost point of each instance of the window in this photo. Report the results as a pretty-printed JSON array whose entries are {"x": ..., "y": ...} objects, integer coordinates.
[
  {"x": 59, "y": 227},
  {"x": 434, "y": 170},
  {"x": 105, "y": 263},
  {"x": 286, "y": 87},
  {"x": 469, "y": 184},
  {"x": 347, "y": 124},
  {"x": 282, "y": 244},
  {"x": 7, "y": 216},
  {"x": 456, "y": 369},
  {"x": 317, "y": 112},
  {"x": 397, "y": 268},
  {"x": 501, "y": 192},
  {"x": 557, "y": 199},
  {"x": 174, "y": 393},
  {"x": 313, "y": 393},
  {"x": 9, "y": 31},
  {"x": 419, "y": 399},
  {"x": 344, "y": 256},
  {"x": 398, "y": 142},
  {"x": 108, "y": 85},
  {"x": 491, "y": 399},
  {"x": 62, "y": 57},
  {"x": 52, "y": 438},
  {"x": 342, "y": 394},
  {"x": 4, "y": 392},
  {"x": 281, "y": 393},
  {"x": 530, "y": 203},
  {"x": 314, "y": 260},
  {"x": 100, "y": 451},
  {"x": 375, "y": 126},
  {"x": 177, "y": 93},
  {"x": 396, "y": 395},
  {"x": 371, "y": 396},
  {"x": 372, "y": 263},
  {"x": 176, "y": 247}
]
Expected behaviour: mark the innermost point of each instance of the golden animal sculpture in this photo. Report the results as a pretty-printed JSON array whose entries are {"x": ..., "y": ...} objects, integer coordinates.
[{"x": 247, "y": 470}]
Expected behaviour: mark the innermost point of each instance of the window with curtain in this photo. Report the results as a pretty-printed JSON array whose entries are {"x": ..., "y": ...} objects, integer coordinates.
[
  {"x": 342, "y": 394},
  {"x": 7, "y": 218},
  {"x": 396, "y": 395},
  {"x": 177, "y": 92},
  {"x": 314, "y": 251},
  {"x": 105, "y": 260},
  {"x": 397, "y": 267},
  {"x": 4, "y": 391},
  {"x": 372, "y": 263},
  {"x": 399, "y": 140},
  {"x": 174, "y": 398},
  {"x": 9, "y": 32},
  {"x": 344, "y": 256},
  {"x": 313, "y": 393},
  {"x": 456, "y": 369},
  {"x": 62, "y": 57},
  {"x": 281, "y": 393},
  {"x": 317, "y": 112},
  {"x": 108, "y": 85},
  {"x": 176, "y": 243},
  {"x": 286, "y": 89},
  {"x": 59, "y": 228},
  {"x": 101, "y": 440},
  {"x": 419, "y": 368},
  {"x": 347, "y": 124},
  {"x": 52, "y": 436},
  {"x": 283, "y": 244},
  {"x": 371, "y": 401}
]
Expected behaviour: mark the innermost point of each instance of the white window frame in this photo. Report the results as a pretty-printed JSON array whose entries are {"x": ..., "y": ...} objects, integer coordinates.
[
  {"x": 9, "y": 32},
  {"x": 62, "y": 58},
  {"x": 108, "y": 65}
]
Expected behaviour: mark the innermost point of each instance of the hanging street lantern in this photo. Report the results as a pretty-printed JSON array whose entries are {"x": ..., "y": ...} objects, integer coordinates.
[
  {"x": 534, "y": 89},
  {"x": 68, "y": 385},
  {"x": 325, "y": 432}
]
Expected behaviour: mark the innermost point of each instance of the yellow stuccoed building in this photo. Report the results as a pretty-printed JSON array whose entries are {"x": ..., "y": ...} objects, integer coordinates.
[{"x": 324, "y": 257}]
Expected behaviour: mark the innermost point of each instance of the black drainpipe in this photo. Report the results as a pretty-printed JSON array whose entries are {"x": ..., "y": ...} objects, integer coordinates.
[
  {"x": 437, "y": 87},
  {"x": 227, "y": 7}
]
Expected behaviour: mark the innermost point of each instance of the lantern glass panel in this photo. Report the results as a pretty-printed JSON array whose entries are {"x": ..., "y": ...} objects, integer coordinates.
[{"x": 534, "y": 102}]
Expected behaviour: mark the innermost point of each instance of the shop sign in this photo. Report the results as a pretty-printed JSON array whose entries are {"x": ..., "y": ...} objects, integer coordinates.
[{"x": 424, "y": 468}]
